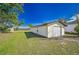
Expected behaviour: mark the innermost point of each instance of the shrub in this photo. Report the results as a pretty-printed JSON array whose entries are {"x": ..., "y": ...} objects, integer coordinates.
[
  {"x": 77, "y": 29},
  {"x": 30, "y": 25},
  {"x": 4, "y": 28}
]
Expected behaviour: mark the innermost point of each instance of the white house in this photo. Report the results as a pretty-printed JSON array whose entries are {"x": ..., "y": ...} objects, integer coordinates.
[
  {"x": 72, "y": 24},
  {"x": 49, "y": 30},
  {"x": 71, "y": 27}
]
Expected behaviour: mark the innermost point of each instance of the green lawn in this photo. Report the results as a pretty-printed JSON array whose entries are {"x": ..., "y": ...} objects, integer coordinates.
[{"x": 28, "y": 43}]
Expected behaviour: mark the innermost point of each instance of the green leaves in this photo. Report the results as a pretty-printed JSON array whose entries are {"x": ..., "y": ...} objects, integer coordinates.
[
  {"x": 30, "y": 25},
  {"x": 77, "y": 29},
  {"x": 21, "y": 22},
  {"x": 9, "y": 13}
]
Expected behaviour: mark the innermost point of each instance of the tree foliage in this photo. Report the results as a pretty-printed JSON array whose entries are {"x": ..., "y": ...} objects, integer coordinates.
[
  {"x": 9, "y": 13},
  {"x": 77, "y": 29},
  {"x": 30, "y": 25},
  {"x": 21, "y": 22}
]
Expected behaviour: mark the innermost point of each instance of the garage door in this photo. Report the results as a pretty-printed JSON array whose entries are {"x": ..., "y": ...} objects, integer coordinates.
[{"x": 56, "y": 31}]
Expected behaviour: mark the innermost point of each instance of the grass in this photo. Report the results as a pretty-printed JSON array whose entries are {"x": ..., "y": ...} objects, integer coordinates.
[{"x": 26, "y": 43}]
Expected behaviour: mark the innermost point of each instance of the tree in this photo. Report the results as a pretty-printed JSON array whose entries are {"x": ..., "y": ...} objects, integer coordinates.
[
  {"x": 30, "y": 25},
  {"x": 21, "y": 22},
  {"x": 77, "y": 29},
  {"x": 9, "y": 13}
]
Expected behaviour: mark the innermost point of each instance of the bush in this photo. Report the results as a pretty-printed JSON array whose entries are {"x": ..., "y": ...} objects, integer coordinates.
[
  {"x": 4, "y": 28},
  {"x": 30, "y": 25},
  {"x": 77, "y": 29},
  {"x": 5, "y": 31}
]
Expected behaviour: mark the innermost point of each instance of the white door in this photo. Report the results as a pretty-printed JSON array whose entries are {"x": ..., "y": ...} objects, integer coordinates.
[{"x": 56, "y": 31}]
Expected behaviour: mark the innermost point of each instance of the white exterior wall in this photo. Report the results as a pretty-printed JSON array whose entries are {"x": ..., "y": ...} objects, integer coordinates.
[
  {"x": 70, "y": 28},
  {"x": 63, "y": 31},
  {"x": 53, "y": 32},
  {"x": 41, "y": 30},
  {"x": 34, "y": 30},
  {"x": 49, "y": 31}
]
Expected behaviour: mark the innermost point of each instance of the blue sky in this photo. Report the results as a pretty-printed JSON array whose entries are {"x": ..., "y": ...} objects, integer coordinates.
[{"x": 35, "y": 13}]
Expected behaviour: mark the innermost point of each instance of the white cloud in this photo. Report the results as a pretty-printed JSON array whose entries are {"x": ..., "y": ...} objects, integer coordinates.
[{"x": 73, "y": 18}]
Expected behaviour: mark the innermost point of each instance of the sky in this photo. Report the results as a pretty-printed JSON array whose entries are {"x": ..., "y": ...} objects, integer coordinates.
[{"x": 36, "y": 13}]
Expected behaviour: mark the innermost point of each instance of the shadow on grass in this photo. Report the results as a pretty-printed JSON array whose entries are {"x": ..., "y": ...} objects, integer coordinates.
[{"x": 32, "y": 35}]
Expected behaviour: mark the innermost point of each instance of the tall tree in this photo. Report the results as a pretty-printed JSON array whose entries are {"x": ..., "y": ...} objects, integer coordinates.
[
  {"x": 9, "y": 13},
  {"x": 77, "y": 26}
]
